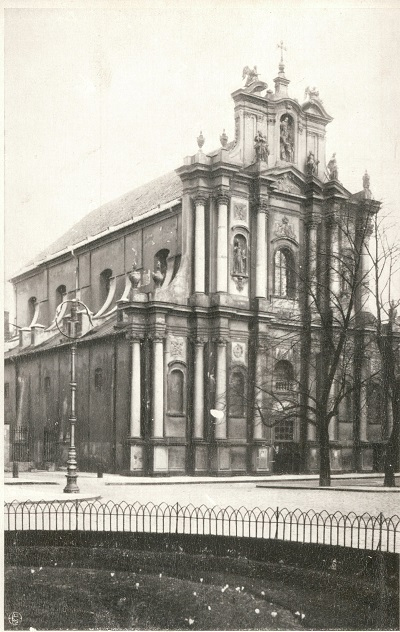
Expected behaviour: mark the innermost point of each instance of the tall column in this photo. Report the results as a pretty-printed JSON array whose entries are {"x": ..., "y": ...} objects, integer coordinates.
[
  {"x": 261, "y": 252},
  {"x": 135, "y": 409},
  {"x": 366, "y": 265},
  {"x": 198, "y": 398},
  {"x": 222, "y": 243},
  {"x": 158, "y": 387},
  {"x": 199, "y": 245},
  {"x": 220, "y": 391}
]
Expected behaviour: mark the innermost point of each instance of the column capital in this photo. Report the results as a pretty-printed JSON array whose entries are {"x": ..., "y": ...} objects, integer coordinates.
[
  {"x": 133, "y": 337},
  {"x": 222, "y": 196},
  {"x": 200, "y": 198},
  {"x": 263, "y": 205},
  {"x": 157, "y": 337},
  {"x": 199, "y": 341},
  {"x": 220, "y": 341},
  {"x": 312, "y": 221}
]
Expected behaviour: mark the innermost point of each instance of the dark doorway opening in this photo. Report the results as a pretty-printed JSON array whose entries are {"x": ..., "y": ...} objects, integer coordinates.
[{"x": 286, "y": 458}]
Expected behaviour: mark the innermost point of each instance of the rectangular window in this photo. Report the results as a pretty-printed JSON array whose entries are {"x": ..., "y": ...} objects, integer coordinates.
[
  {"x": 46, "y": 383},
  {"x": 6, "y": 390}
]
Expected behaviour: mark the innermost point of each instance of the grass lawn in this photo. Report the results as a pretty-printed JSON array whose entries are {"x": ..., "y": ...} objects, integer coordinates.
[{"x": 68, "y": 588}]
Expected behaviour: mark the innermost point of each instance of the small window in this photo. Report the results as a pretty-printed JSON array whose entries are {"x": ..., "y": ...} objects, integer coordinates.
[
  {"x": 237, "y": 395},
  {"x": 105, "y": 281},
  {"x": 284, "y": 430},
  {"x": 284, "y": 376},
  {"x": 98, "y": 379},
  {"x": 6, "y": 390},
  {"x": 284, "y": 278},
  {"x": 31, "y": 308},
  {"x": 47, "y": 383},
  {"x": 61, "y": 292},
  {"x": 176, "y": 395}
]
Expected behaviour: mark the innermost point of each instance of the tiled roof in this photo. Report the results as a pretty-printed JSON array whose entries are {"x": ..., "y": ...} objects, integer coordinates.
[{"x": 129, "y": 206}]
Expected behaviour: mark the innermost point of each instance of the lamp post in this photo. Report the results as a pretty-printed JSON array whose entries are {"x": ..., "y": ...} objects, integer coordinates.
[{"x": 73, "y": 334}]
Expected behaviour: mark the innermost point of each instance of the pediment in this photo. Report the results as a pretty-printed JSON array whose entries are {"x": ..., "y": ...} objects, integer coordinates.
[
  {"x": 288, "y": 182},
  {"x": 315, "y": 107}
]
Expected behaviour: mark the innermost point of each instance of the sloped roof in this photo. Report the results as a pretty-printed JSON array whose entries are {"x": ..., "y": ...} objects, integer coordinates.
[{"x": 129, "y": 206}]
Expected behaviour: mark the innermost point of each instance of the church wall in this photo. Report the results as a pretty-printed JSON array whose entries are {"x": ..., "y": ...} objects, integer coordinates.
[
  {"x": 109, "y": 256},
  {"x": 122, "y": 401},
  {"x": 61, "y": 273},
  {"x": 10, "y": 412},
  {"x": 100, "y": 412},
  {"x": 33, "y": 286}
]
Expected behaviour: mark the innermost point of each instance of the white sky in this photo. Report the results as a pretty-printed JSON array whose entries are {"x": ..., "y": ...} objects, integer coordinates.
[{"x": 99, "y": 100}]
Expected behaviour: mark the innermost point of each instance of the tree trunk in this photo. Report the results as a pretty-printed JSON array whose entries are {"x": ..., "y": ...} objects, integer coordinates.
[
  {"x": 324, "y": 455},
  {"x": 392, "y": 448}
]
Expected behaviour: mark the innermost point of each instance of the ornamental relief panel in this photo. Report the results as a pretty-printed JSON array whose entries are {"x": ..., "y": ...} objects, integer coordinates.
[
  {"x": 238, "y": 352},
  {"x": 286, "y": 227},
  {"x": 239, "y": 211},
  {"x": 176, "y": 348}
]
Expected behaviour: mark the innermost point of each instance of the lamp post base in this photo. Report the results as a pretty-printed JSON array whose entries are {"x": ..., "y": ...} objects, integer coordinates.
[{"x": 71, "y": 486}]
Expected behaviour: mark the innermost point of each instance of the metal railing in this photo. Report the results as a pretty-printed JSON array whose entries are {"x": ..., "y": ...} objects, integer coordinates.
[
  {"x": 338, "y": 529},
  {"x": 21, "y": 444}
]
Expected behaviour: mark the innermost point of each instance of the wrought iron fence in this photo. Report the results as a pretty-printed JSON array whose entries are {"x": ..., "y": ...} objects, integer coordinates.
[
  {"x": 349, "y": 530},
  {"x": 21, "y": 442}
]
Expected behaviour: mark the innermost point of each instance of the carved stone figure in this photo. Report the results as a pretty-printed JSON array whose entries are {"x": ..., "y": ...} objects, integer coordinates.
[
  {"x": 366, "y": 180},
  {"x": 286, "y": 138},
  {"x": 251, "y": 75},
  {"x": 286, "y": 185},
  {"x": 284, "y": 229},
  {"x": 332, "y": 168},
  {"x": 311, "y": 93},
  {"x": 223, "y": 139},
  {"x": 134, "y": 275},
  {"x": 261, "y": 147},
  {"x": 312, "y": 164},
  {"x": 239, "y": 258},
  {"x": 200, "y": 140},
  {"x": 158, "y": 276}
]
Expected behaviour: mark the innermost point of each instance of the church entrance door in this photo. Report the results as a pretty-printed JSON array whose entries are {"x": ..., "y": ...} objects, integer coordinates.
[{"x": 286, "y": 458}]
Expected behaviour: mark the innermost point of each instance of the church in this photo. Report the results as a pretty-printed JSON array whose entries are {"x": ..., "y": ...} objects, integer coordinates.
[{"x": 190, "y": 297}]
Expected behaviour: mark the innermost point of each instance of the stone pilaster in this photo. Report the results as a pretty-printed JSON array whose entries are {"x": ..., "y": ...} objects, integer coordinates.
[
  {"x": 135, "y": 404},
  {"x": 222, "y": 243},
  {"x": 199, "y": 245},
  {"x": 261, "y": 252},
  {"x": 158, "y": 387},
  {"x": 220, "y": 391},
  {"x": 198, "y": 395}
]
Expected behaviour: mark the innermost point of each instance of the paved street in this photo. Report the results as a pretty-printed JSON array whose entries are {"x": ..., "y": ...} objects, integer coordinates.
[{"x": 371, "y": 497}]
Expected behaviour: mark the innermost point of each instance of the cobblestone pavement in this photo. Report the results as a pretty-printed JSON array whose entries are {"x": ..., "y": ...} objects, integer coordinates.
[{"x": 234, "y": 493}]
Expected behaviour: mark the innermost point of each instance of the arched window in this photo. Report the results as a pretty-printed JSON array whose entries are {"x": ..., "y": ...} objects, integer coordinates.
[
  {"x": 237, "y": 394},
  {"x": 283, "y": 414},
  {"x": 161, "y": 263},
  {"x": 98, "y": 379},
  {"x": 176, "y": 392},
  {"x": 60, "y": 294},
  {"x": 284, "y": 375},
  {"x": 374, "y": 403},
  {"x": 31, "y": 308},
  {"x": 105, "y": 280},
  {"x": 284, "y": 285}
]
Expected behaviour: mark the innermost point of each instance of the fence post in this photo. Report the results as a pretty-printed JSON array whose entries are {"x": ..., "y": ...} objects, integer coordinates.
[
  {"x": 277, "y": 524},
  {"x": 176, "y": 522}
]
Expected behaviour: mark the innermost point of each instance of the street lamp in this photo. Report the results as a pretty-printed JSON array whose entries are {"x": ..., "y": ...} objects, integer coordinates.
[{"x": 73, "y": 334}]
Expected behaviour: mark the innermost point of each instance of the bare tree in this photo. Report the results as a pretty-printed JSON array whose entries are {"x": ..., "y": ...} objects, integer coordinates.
[{"x": 385, "y": 264}]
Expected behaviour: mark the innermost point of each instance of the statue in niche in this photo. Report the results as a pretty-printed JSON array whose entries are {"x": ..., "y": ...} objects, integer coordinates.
[
  {"x": 332, "y": 168},
  {"x": 239, "y": 256},
  {"x": 286, "y": 138},
  {"x": 250, "y": 75},
  {"x": 312, "y": 164},
  {"x": 261, "y": 147}
]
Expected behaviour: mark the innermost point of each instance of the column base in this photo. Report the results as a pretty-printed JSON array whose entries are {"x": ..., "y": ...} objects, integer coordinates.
[
  {"x": 168, "y": 457},
  {"x": 136, "y": 456},
  {"x": 227, "y": 459},
  {"x": 262, "y": 457}
]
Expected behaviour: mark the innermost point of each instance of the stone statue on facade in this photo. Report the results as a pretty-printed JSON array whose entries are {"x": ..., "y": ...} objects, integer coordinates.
[
  {"x": 250, "y": 75},
  {"x": 311, "y": 93},
  {"x": 134, "y": 275},
  {"x": 239, "y": 258},
  {"x": 366, "y": 180},
  {"x": 332, "y": 168},
  {"x": 286, "y": 139},
  {"x": 261, "y": 147},
  {"x": 158, "y": 276},
  {"x": 312, "y": 164}
]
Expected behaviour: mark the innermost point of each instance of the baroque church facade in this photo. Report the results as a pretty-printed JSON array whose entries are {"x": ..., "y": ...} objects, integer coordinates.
[{"x": 193, "y": 288}]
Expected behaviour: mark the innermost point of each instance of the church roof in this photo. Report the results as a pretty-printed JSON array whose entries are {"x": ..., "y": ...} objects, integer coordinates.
[{"x": 127, "y": 207}]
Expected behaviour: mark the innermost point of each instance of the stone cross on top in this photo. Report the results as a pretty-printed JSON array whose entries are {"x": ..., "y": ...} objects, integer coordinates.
[{"x": 283, "y": 48}]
